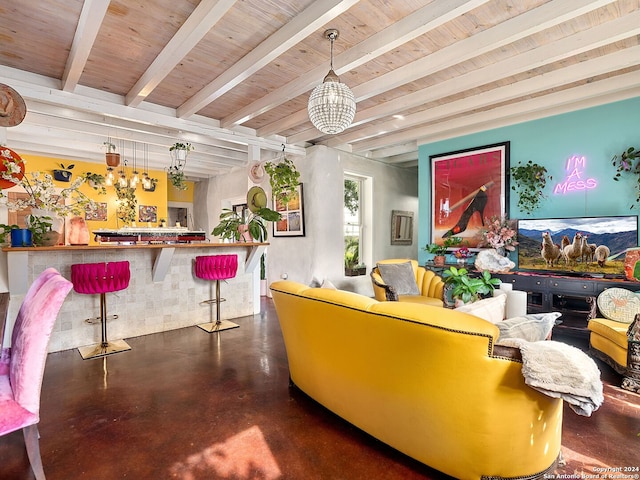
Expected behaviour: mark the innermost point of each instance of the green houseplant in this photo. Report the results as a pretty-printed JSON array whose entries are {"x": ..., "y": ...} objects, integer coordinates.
[
  {"x": 127, "y": 204},
  {"x": 283, "y": 178},
  {"x": 232, "y": 223},
  {"x": 628, "y": 162},
  {"x": 528, "y": 180},
  {"x": 439, "y": 251},
  {"x": 42, "y": 234},
  {"x": 177, "y": 178},
  {"x": 96, "y": 181},
  {"x": 5, "y": 230},
  {"x": 465, "y": 288}
]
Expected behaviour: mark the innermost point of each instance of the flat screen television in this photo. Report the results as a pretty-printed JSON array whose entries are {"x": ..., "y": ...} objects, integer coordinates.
[{"x": 608, "y": 239}]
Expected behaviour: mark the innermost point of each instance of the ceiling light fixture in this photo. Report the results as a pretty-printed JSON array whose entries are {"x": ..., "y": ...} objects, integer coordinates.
[{"x": 332, "y": 105}]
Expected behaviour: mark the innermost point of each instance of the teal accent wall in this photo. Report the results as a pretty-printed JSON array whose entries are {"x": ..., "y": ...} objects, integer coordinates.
[{"x": 596, "y": 133}]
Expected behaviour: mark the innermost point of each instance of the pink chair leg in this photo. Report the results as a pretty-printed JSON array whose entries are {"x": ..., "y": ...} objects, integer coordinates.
[{"x": 32, "y": 442}]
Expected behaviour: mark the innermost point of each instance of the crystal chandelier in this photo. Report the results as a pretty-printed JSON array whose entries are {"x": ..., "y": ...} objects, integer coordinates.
[{"x": 332, "y": 105}]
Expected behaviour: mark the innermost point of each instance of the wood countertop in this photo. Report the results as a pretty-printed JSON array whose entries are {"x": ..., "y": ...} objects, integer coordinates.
[{"x": 58, "y": 248}]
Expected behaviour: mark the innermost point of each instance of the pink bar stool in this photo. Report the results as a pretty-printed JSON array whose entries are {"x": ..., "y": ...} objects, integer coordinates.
[
  {"x": 216, "y": 267},
  {"x": 103, "y": 277}
]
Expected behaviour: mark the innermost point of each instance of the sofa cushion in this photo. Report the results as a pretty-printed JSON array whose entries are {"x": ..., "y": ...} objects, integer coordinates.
[
  {"x": 611, "y": 329},
  {"x": 491, "y": 309},
  {"x": 533, "y": 327},
  {"x": 400, "y": 276},
  {"x": 619, "y": 304}
]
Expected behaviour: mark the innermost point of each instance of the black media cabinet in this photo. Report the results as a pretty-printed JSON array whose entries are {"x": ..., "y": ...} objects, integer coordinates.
[{"x": 574, "y": 297}]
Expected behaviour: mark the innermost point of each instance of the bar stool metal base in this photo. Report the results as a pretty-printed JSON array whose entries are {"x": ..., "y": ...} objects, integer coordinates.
[
  {"x": 218, "y": 326},
  {"x": 103, "y": 349}
]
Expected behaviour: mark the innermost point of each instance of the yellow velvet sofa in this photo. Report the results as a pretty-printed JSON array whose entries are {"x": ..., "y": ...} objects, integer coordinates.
[
  {"x": 430, "y": 285},
  {"x": 428, "y": 381}
]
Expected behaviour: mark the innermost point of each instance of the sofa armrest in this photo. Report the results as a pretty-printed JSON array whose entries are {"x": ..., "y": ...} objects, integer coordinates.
[{"x": 389, "y": 292}]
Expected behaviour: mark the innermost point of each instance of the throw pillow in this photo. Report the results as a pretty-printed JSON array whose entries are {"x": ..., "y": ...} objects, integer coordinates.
[
  {"x": 533, "y": 327},
  {"x": 400, "y": 276},
  {"x": 619, "y": 304},
  {"x": 491, "y": 309},
  {"x": 327, "y": 284}
]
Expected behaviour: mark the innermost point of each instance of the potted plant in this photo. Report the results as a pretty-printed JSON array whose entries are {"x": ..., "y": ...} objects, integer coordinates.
[
  {"x": 628, "y": 162},
  {"x": 5, "y": 231},
  {"x": 528, "y": 180},
  {"x": 439, "y": 251},
  {"x": 96, "y": 181},
  {"x": 180, "y": 150},
  {"x": 63, "y": 174},
  {"x": 41, "y": 230},
  {"x": 177, "y": 178},
  {"x": 111, "y": 157},
  {"x": 263, "y": 276},
  {"x": 283, "y": 178},
  {"x": 463, "y": 288},
  {"x": 233, "y": 224}
]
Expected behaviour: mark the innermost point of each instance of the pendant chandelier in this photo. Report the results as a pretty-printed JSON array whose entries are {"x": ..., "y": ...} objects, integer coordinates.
[{"x": 332, "y": 105}]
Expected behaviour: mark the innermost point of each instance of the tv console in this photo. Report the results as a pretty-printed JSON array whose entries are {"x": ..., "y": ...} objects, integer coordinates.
[{"x": 574, "y": 297}]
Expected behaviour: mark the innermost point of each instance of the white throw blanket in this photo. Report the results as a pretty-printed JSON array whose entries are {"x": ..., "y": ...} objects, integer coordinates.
[{"x": 562, "y": 371}]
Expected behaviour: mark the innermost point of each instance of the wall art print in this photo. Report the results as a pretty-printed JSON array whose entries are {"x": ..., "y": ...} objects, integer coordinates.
[
  {"x": 99, "y": 213},
  {"x": 468, "y": 187},
  {"x": 291, "y": 223},
  {"x": 147, "y": 213}
]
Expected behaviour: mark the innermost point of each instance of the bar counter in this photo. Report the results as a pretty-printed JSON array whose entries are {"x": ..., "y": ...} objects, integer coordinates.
[{"x": 163, "y": 293}]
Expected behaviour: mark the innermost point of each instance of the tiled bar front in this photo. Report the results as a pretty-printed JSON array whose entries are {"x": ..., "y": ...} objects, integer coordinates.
[{"x": 171, "y": 302}]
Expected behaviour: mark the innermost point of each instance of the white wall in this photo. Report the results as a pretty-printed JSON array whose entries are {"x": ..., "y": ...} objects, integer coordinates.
[{"x": 320, "y": 252}]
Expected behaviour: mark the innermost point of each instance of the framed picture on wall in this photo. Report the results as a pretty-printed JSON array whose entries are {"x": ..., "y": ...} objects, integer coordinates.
[
  {"x": 468, "y": 187},
  {"x": 291, "y": 223}
]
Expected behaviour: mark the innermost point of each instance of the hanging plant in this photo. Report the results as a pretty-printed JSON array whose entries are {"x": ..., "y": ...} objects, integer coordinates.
[
  {"x": 529, "y": 180},
  {"x": 127, "y": 204},
  {"x": 628, "y": 162},
  {"x": 284, "y": 179},
  {"x": 177, "y": 178}
]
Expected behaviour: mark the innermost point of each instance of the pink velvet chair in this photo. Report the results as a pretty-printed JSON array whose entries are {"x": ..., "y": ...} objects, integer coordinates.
[
  {"x": 101, "y": 278},
  {"x": 22, "y": 364},
  {"x": 216, "y": 268}
]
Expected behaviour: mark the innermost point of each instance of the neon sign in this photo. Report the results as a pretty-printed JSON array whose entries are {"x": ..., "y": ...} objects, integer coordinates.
[{"x": 574, "y": 180}]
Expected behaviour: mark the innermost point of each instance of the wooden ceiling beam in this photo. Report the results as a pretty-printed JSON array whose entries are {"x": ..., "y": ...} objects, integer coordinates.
[
  {"x": 314, "y": 17},
  {"x": 91, "y": 17},
  {"x": 533, "y": 21},
  {"x": 422, "y": 21},
  {"x": 203, "y": 19},
  {"x": 584, "y": 96},
  {"x": 539, "y": 83}
]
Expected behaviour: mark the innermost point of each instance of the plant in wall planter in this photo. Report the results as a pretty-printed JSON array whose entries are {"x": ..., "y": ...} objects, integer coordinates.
[
  {"x": 150, "y": 185},
  {"x": 111, "y": 156},
  {"x": 628, "y": 162},
  {"x": 63, "y": 174},
  {"x": 96, "y": 181},
  {"x": 528, "y": 180},
  {"x": 283, "y": 178}
]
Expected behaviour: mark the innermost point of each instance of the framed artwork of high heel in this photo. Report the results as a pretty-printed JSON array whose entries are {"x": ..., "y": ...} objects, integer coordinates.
[{"x": 468, "y": 187}]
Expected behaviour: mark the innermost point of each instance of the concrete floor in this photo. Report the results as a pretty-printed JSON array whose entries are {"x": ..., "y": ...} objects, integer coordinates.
[{"x": 190, "y": 405}]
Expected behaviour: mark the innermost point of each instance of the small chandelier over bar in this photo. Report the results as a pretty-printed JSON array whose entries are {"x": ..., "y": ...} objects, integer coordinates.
[{"x": 332, "y": 105}]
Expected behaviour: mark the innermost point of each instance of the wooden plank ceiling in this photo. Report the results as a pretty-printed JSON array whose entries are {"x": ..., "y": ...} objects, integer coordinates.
[{"x": 233, "y": 77}]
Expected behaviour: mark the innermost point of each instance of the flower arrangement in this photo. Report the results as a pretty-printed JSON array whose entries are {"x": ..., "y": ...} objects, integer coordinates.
[
  {"x": 42, "y": 193},
  {"x": 500, "y": 233},
  {"x": 462, "y": 253}
]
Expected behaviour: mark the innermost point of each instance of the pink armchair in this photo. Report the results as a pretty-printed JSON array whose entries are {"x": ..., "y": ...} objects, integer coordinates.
[{"x": 22, "y": 365}]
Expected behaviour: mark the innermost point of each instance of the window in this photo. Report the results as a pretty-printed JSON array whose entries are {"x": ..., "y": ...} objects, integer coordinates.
[{"x": 353, "y": 226}]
